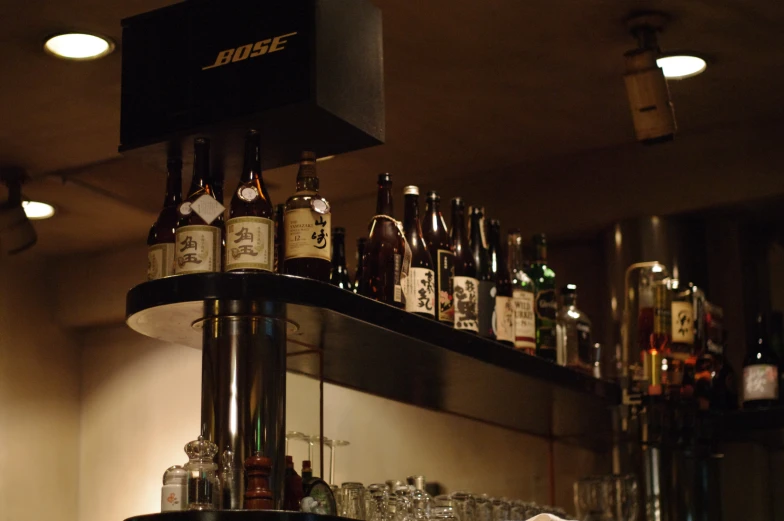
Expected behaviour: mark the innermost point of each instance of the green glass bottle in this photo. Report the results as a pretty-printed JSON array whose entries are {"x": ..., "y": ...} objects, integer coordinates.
[{"x": 545, "y": 300}]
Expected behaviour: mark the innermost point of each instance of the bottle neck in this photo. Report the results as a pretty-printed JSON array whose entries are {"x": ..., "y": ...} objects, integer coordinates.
[
  {"x": 251, "y": 169},
  {"x": 338, "y": 250},
  {"x": 201, "y": 170},
  {"x": 411, "y": 215},
  {"x": 307, "y": 179},
  {"x": 458, "y": 224},
  {"x": 477, "y": 239},
  {"x": 432, "y": 214},
  {"x": 384, "y": 204},
  {"x": 515, "y": 252},
  {"x": 540, "y": 254},
  {"x": 570, "y": 300},
  {"x": 173, "y": 185},
  {"x": 497, "y": 259},
  {"x": 360, "y": 254}
]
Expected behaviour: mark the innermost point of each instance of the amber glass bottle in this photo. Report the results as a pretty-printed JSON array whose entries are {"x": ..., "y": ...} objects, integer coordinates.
[
  {"x": 250, "y": 230},
  {"x": 439, "y": 245},
  {"x": 420, "y": 283},
  {"x": 464, "y": 283},
  {"x": 361, "y": 242},
  {"x": 503, "y": 313},
  {"x": 486, "y": 294},
  {"x": 339, "y": 275},
  {"x": 308, "y": 225},
  {"x": 385, "y": 252},
  {"x": 160, "y": 241}
]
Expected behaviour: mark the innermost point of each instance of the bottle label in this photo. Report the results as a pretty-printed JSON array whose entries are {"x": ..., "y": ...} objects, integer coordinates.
[
  {"x": 160, "y": 261},
  {"x": 206, "y": 207},
  {"x": 682, "y": 319},
  {"x": 307, "y": 234},
  {"x": 197, "y": 249},
  {"x": 399, "y": 294},
  {"x": 760, "y": 382},
  {"x": 503, "y": 319},
  {"x": 421, "y": 291},
  {"x": 249, "y": 242},
  {"x": 444, "y": 271},
  {"x": 172, "y": 498},
  {"x": 546, "y": 310},
  {"x": 486, "y": 307},
  {"x": 466, "y": 303},
  {"x": 524, "y": 320}
]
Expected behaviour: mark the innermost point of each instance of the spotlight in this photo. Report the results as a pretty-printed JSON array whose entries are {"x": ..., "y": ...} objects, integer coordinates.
[{"x": 16, "y": 232}]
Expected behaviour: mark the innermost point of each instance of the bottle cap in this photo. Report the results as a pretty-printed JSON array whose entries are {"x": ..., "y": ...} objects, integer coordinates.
[
  {"x": 432, "y": 195},
  {"x": 385, "y": 177},
  {"x": 569, "y": 289},
  {"x": 458, "y": 201},
  {"x": 339, "y": 230},
  {"x": 540, "y": 238},
  {"x": 494, "y": 223},
  {"x": 289, "y": 461},
  {"x": 411, "y": 190},
  {"x": 308, "y": 156},
  {"x": 306, "y": 464}
]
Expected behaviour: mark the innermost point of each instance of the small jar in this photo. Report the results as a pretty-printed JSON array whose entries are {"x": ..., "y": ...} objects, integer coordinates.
[
  {"x": 174, "y": 493},
  {"x": 203, "y": 483}
]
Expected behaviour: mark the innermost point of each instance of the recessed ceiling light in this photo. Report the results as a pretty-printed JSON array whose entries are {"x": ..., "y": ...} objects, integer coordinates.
[
  {"x": 678, "y": 67},
  {"x": 36, "y": 210},
  {"x": 78, "y": 46}
]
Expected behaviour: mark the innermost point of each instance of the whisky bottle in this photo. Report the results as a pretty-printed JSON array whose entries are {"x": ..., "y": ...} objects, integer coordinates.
[
  {"x": 387, "y": 256},
  {"x": 522, "y": 297},
  {"x": 160, "y": 241},
  {"x": 361, "y": 242},
  {"x": 199, "y": 230},
  {"x": 339, "y": 275},
  {"x": 546, "y": 303},
  {"x": 250, "y": 230},
  {"x": 420, "y": 283},
  {"x": 465, "y": 285},
  {"x": 486, "y": 295},
  {"x": 503, "y": 307},
  {"x": 308, "y": 224},
  {"x": 573, "y": 334},
  {"x": 682, "y": 337},
  {"x": 760, "y": 370},
  {"x": 439, "y": 244},
  {"x": 280, "y": 210}
]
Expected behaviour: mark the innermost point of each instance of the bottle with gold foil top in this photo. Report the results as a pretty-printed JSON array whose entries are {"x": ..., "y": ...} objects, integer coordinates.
[
  {"x": 199, "y": 234},
  {"x": 250, "y": 230},
  {"x": 308, "y": 226},
  {"x": 160, "y": 241}
]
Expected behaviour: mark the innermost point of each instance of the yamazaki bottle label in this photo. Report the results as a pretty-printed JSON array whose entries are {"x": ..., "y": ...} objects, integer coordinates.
[
  {"x": 524, "y": 320},
  {"x": 307, "y": 234},
  {"x": 160, "y": 261},
  {"x": 249, "y": 243},
  {"x": 420, "y": 291},
  {"x": 760, "y": 382},
  {"x": 682, "y": 317},
  {"x": 466, "y": 303},
  {"x": 445, "y": 269},
  {"x": 503, "y": 319},
  {"x": 197, "y": 249}
]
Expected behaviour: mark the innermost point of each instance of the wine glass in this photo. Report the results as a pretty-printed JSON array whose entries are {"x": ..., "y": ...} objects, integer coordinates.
[
  {"x": 293, "y": 435},
  {"x": 333, "y": 444}
]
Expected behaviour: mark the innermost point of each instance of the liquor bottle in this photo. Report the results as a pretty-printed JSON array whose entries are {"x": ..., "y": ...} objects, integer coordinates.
[
  {"x": 682, "y": 322},
  {"x": 546, "y": 304},
  {"x": 250, "y": 230},
  {"x": 308, "y": 226},
  {"x": 280, "y": 210},
  {"x": 199, "y": 232},
  {"x": 292, "y": 492},
  {"x": 439, "y": 245},
  {"x": 760, "y": 371},
  {"x": 522, "y": 296},
  {"x": 339, "y": 275},
  {"x": 573, "y": 334},
  {"x": 160, "y": 241},
  {"x": 483, "y": 272},
  {"x": 465, "y": 285},
  {"x": 420, "y": 282},
  {"x": 503, "y": 312},
  {"x": 319, "y": 498},
  {"x": 361, "y": 242},
  {"x": 387, "y": 256}
]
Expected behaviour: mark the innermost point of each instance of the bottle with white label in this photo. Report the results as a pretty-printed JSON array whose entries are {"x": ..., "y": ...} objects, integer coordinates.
[
  {"x": 522, "y": 297},
  {"x": 174, "y": 492},
  {"x": 503, "y": 309},
  {"x": 682, "y": 323},
  {"x": 465, "y": 285},
  {"x": 250, "y": 230},
  {"x": 420, "y": 283},
  {"x": 760, "y": 371},
  {"x": 199, "y": 235},
  {"x": 160, "y": 241},
  {"x": 307, "y": 226}
]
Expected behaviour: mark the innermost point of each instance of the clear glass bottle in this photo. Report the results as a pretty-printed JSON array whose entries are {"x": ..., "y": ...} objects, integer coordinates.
[
  {"x": 203, "y": 483},
  {"x": 522, "y": 297},
  {"x": 232, "y": 480},
  {"x": 573, "y": 332},
  {"x": 174, "y": 493}
]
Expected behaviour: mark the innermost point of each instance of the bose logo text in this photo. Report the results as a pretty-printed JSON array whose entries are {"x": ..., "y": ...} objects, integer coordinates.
[{"x": 251, "y": 50}]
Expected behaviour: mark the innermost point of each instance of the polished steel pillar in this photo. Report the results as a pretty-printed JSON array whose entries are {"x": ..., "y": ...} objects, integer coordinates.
[{"x": 243, "y": 402}]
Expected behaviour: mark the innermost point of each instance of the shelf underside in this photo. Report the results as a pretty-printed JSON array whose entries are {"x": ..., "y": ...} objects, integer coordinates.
[{"x": 385, "y": 351}]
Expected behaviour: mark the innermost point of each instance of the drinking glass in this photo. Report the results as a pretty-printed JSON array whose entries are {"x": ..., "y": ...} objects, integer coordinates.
[
  {"x": 338, "y": 499},
  {"x": 501, "y": 509},
  {"x": 593, "y": 499},
  {"x": 352, "y": 501},
  {"x": 623, "y": 496},
  {"x": 376, "y": 500},
  {"x": 294, "y": 435},
  {"x": 464, "y": 505},
  {"x": 399, "y": 505},
  {"x": 484, "y": 508},
  {"x": 518, "y": 511},
  {"x": 420, "y": 505},
  {"x": 442, "y": 513},
  {"x": 333, "y": 445}
]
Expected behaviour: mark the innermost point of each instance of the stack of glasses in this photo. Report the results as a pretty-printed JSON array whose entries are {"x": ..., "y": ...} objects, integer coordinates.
[{"x": 397, "y": 501}]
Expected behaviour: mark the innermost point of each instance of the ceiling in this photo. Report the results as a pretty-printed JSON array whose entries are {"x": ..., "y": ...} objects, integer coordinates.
[{"x": 519, "y": 103}]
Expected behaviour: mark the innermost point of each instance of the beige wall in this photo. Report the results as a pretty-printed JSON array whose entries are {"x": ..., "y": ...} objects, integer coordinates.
[{"x": 39, "y": 398}]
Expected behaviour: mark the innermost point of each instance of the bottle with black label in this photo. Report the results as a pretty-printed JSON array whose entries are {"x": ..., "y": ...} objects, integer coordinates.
[
  {"x": 199, "y": 233},
  {"x": 361, "y": 242},
  {"x": 420, "y": 283},
  {"x": 308, "y": 226},
  {"x": 522, "y": 297},
  {"x": 465, "y": 285},
  {"x": 160, "y": 241},
  {"x": 760, "y": 371},
  {"x": 483, "y": 272},
  {"x": 339, "y": 276},
  {"x": 250, "y": 230},
  {"x": 436, "y": 236},
  {"x": 573, "y": 334},
  {"x": 387, "y": 256},
  {"x": 546, "y": 303},
  {"x": 503, "y": 307}
]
